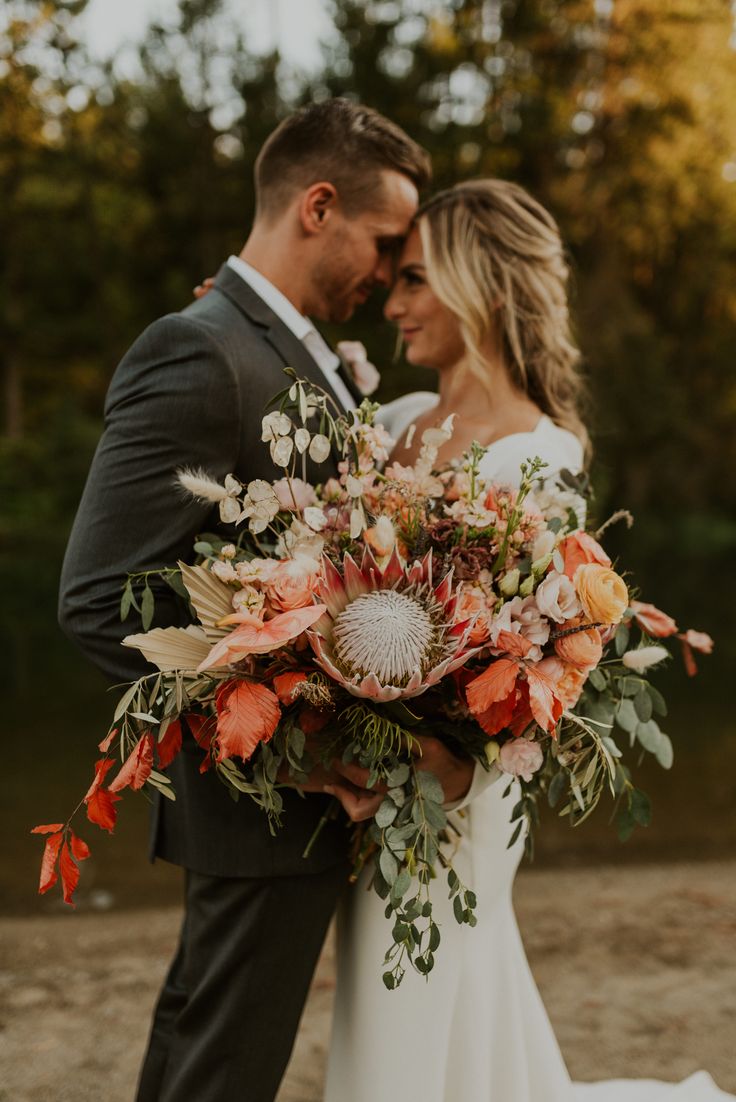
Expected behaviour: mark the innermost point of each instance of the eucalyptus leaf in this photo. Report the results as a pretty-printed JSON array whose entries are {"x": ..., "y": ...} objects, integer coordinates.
[
  {"x": 598, "y": 680},
  {"x": 386, "y": 814},
  {"x": 643, "y": 705},
  {"x": 430, "y": 786},
  {"x": 557, "y": 788},
  {"x": 626, "y": 716},
  {"x": 641, "y": 808},
  {"x": 621, "y": 639},
  {"x": 389, "y": 866},
  {"x": 399, "y": 775},
  {"x": 649, "y": 735},
  {"x": 664, "y": 753},
  {"x": 659, "y": 704}
]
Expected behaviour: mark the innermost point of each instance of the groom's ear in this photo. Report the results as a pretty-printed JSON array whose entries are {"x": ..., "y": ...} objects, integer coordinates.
[{"x": 318, "y": 204}]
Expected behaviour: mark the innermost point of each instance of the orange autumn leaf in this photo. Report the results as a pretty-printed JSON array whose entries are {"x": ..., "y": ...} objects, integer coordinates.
[
  {"x": 285, "y": 683},
  {"x": 513, "y": 643},
  {"x": 100, "y": 801},
  {"x": 256, "y": 636},
  {"x": 493, "y": 685},
  {"x": 498, "y": 715},
  {"x": 48, "y": 828},
  {"x": 106, "y": 743},
  {"x": 69, "y": 874},
  {"x": 170, "y": 745},
  {"x": 546, "y": 706},
  {"x": 79, "y": 847},
  {"x": 247, "y": 715},
  {"x": 136, "y": 768},
  {"x": 48, "y": 862}
]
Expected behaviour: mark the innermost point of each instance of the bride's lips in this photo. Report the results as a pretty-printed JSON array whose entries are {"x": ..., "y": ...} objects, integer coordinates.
[{"x": 409, "y": 332}]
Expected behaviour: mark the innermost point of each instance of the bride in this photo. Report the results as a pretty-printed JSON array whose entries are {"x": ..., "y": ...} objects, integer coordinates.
[{"x": 480, "y": 297}]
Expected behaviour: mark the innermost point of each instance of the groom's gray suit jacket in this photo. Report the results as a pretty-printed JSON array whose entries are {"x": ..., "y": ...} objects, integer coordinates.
[{"x": 190, "y": 392}]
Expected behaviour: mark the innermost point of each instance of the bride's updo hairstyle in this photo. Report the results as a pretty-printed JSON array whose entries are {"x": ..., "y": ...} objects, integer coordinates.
[{"x": 495, "y": 258}]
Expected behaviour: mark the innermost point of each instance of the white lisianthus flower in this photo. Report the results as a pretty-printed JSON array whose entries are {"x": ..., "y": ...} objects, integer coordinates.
[
  {"x": 556, "y": 598},
  {"x": 645, "y": 657},
  {"x": 543, "y": 545},
  {"x": 319, "y": 448}
]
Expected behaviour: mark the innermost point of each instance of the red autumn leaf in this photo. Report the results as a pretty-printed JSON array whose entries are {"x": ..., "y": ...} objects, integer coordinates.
[
  {"x": 203, "y": 728},
  {"x": 79, "y": 847},
  {"x": 493, "y": 685},
  {"x": 102, "y": 768},
  {"x": 48, "y": 862},
  {"x": 106, "y": 743},
  {"x": 100, "y": 801},
  {"x": 49, "y": 828},
  {"x": 522, "y": 712},
  {"x": 497, "y": 715},
  {"x": 546, "y": 706},
  {"x": 69, "y": 874},
  {"x": 101, "y": 809},
  {"x": 170, "y": 745},
  {"x": 284, "y": 685},
  {"x": 136, "y": 769},
  {"x": 248, "y": 715}
]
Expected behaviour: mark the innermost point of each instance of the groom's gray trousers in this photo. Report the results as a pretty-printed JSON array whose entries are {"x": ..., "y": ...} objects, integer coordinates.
[{"x": 191, "y": 392}]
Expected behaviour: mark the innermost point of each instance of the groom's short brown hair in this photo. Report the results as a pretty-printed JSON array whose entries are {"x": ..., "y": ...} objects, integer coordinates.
[{"x": 343, "y": 143}]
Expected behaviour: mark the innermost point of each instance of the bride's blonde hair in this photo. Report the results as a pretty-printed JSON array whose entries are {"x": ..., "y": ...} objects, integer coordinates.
[{"x": 495, "y": 258}]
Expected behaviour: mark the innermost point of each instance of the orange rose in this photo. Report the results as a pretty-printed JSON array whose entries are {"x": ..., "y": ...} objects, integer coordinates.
[
  {"x": 603, "y": 594},
  {"x": 471, "y": 605},
  {"x": 583, "y": 649},
  {"x": 579, "y": 548}
]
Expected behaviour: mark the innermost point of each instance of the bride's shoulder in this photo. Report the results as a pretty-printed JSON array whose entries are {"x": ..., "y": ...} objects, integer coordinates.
[
  {"x": 557, "y": 447},
  {"x": 396, "y": 416}
]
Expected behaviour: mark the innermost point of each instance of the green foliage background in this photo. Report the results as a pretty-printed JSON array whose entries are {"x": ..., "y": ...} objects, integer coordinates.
[{"x": 118, "y": 194}]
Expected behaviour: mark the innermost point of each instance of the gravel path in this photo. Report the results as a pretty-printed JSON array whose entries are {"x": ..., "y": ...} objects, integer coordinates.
[{"x": 636, "y": 966}]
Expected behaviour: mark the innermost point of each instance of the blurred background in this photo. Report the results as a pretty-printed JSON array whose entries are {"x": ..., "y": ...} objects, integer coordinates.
[{"x": 127, "y": 139}]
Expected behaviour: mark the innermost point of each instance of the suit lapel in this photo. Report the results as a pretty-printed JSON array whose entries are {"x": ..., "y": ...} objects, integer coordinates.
[{"x": 287, "y": 346}]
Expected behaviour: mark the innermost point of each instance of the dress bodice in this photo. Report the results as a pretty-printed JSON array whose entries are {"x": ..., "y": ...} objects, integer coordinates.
[{"x": 558, "y": 447}]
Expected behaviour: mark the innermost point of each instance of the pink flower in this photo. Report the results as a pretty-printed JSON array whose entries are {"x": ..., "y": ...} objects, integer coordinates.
[
  {"x": 694, "y": 640},
  {"x": 652, "y": 620},
  {"x": 294, "y": 493},
  {"x": 521, "y": 758},
  {"x": 293, "y": 584},
  {"x": 355, "y": 358}
]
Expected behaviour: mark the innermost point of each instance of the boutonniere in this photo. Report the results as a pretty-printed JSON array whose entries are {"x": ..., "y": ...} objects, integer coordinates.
[{"x": 365, "y": 376}]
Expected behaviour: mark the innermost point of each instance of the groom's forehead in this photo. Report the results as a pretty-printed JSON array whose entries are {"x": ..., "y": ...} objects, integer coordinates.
[{"x": 397, "y": 205}]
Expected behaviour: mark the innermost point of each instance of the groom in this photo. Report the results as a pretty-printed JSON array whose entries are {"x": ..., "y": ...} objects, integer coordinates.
[{"x": 336, "y": 188}]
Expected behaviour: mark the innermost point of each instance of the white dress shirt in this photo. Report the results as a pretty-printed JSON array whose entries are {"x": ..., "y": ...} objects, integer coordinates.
[{"x": 302, "y": 328}]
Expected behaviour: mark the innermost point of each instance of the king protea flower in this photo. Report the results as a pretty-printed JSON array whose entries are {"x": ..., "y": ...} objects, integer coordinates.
[{"x": 387, "y": 633}]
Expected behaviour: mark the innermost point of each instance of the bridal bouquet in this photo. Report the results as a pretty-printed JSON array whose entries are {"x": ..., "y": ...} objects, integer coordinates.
[{"x": 350, "y": 618}]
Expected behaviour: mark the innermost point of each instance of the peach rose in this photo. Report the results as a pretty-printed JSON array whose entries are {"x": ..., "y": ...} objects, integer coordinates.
[
  {"x": 568, "y": 680},
  {"x": 292, "y": 584},
  {"x": 583, "y": 649},
  {"x": 471, "y": 605},
  {"x": 579, "y": 548},
  {"x": 603, "y": 594}
]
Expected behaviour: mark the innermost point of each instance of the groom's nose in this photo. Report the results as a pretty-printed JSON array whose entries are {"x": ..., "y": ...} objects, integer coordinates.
[{"x": 392, "y": 309}]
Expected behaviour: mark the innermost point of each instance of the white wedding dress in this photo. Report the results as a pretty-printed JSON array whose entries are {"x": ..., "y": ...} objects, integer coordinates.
[{"x": 476, "y": 1030}]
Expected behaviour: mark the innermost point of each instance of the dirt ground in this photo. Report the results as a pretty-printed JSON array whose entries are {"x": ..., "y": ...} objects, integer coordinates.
[{"x": 637, "y": 967}]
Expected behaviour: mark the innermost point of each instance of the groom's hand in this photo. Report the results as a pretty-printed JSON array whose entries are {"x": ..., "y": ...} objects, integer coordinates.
[{"x": 347, "y": 782}]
